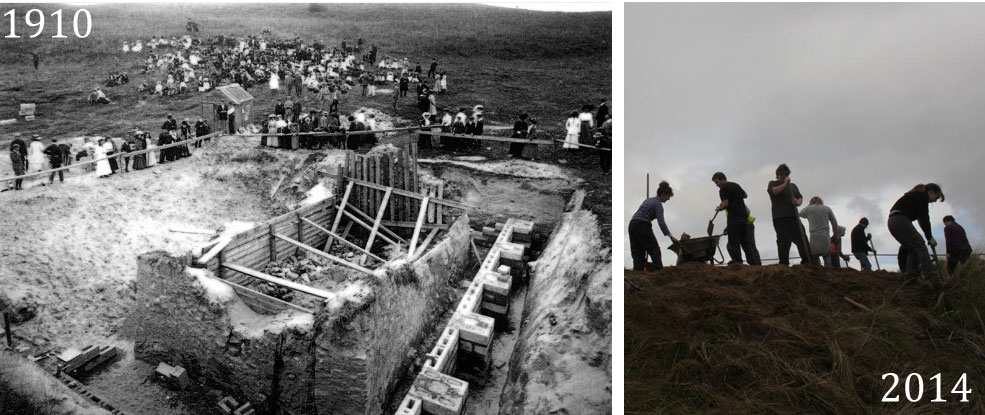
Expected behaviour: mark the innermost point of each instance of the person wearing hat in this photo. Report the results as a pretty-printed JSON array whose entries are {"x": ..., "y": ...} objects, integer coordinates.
[
  {"x": 103, "y": 168},
  {"x": 860, "y": 244},
  {"x": 185, "y": 134},
  {"x": 170, "y": 123},
  {"x": 22, "y": 149},
  {"x": 914, "y": 205},
  {"x": 520, "y": 128},
  {"x": 35, "y": 155},
  {"x": 139, "y": 144},
  {"x": 17, "y": 162}
]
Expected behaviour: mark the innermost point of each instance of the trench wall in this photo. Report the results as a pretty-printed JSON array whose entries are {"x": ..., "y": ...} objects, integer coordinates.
[
  {"x": 565, "y": 367},
  {"x": 344, "y": 362}
]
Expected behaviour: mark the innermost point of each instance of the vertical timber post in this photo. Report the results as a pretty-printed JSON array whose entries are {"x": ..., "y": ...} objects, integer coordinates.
[
  {"x": 6, "y": 329},
  {"x": 273, "y": 243}
]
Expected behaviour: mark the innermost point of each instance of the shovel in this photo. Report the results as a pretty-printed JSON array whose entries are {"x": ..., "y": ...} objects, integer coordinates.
[
  {"x": 711, "y": 224},
  {"x": 875, "y": 255}
]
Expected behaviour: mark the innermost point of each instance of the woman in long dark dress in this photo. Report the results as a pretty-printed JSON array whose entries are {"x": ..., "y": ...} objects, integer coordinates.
[
  {"x": 519, "y": 131},
  {"x": 530, "y": 149},
  {"x": 139, "y": 144},
  {"x": 587, "y": 125}
]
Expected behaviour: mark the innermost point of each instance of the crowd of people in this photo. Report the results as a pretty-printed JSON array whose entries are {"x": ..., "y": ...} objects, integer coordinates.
[
  {"x": 37, "y": 156},
  {"x": 821, "y": 242}
]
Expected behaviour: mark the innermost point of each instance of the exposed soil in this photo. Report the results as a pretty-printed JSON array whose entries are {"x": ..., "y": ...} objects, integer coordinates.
[{"x": 772, "y": 340}]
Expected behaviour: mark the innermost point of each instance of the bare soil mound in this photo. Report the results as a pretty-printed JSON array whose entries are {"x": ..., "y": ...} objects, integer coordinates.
[{"x": 772, "y": 340}]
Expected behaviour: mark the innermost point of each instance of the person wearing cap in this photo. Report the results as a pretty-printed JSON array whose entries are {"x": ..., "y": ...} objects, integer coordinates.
[
  {"x": 860, "y": 244},
  {"x": 914, "y": 205},
  {"x": 35, "y": 155},
  {"x": 956, "y": 241},
  {"x": 54, "y": 153}
]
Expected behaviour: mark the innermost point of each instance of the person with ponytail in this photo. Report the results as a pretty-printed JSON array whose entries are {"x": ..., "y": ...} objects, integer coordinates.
[
  {"x": 915, "y": 206},
  {"x": 642, "y": 242}
]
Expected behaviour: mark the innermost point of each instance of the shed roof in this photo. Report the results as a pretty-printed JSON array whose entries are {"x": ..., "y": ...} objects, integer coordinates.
[{"x": 235, "y": 93}]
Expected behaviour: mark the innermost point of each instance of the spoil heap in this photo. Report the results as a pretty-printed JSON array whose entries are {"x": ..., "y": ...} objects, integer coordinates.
[{"x": 771, "y": 340}]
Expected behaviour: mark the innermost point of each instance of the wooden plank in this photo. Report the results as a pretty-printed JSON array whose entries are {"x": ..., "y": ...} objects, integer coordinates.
[
  {"x": 338, "y": 215},
  {"x": 376, "y": 223},
  {"x": 414, "y": 195},
  {"x": 318, "y": 252},
  {"x": 300, "y": 231},
  {"x": 441, "y": 195},
  {"x": 412, "y": 225},
  {"x": 379, "y": 179},
  {"x": 216, "y": 250},
  {"x": 390, "y": 177},
  {"x": 424, "y": 245},
  {"x": 385, "y": 230},
  {"x": 345, "y": 242},
  {"x": 365, "y": 169},
  {"x": 317, "y": 292},
  {"x": 486, "y": 138},
  {"x": 405, "y": 167},
  {"x": 273, "y": 243},
  {"x": 256, "y": 295},
  {"x": 359, "y": 222},
  {"x": 417, "y": 228}
]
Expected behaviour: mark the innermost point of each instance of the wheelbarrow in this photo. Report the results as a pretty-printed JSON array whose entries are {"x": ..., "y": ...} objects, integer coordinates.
[{"x": 700, "y": 249}]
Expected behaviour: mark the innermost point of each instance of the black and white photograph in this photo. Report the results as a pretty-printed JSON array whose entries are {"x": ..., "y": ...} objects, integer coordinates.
[
  {"x": 802, "y": 219},
  {"x": 309, "y": 208}
]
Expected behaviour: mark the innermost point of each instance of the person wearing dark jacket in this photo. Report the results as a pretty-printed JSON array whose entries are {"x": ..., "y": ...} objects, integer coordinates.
[
  {"x": 956, "y": 241},
  {"x": 17, "y": 161},
  {"x": 914, "y": 205},
  {"x": 860, "y": 244},
  {"x": 520, "y": 128},
  {"x": 785, "y": 197},
  {"x": 54, "y": 153},
  {"x": 642, "y": 243},
  {"x": 732, "y": 198},
  {"x": 222, "y": 114},
  {"x": 170, "y": 123},
  {"x": 22, "y": 149}
]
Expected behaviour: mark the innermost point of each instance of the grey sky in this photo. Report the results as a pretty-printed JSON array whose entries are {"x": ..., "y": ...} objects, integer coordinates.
[{"x": 862, "y": 101}]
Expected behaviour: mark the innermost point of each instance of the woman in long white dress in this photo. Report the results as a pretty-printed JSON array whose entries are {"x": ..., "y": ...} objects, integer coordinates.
[
  {"x": 35, "y": 155},
  {"x": 573, "y": 127},
  {"x": 152, "y": 154},
  {"x": 102, "y": 164},
  {"x": 274, "y": 81}
]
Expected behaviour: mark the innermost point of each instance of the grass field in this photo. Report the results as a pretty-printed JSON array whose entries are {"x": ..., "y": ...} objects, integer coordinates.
[{"x": 510, "y": 61}]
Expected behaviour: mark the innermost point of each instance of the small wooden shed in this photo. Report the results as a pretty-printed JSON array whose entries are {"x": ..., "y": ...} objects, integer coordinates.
[{"x": 238, "y": 101}]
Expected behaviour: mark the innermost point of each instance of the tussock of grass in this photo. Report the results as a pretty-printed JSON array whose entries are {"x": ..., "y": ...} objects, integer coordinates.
[
  {"x": 26, "y": 389},
  {"x": 773, "y": 340}
]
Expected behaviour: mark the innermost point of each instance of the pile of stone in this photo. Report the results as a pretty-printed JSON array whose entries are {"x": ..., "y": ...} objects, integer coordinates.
[{"x": 301, "y": 269}]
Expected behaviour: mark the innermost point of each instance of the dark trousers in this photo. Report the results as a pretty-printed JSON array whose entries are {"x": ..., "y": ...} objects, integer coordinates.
[
  {"x": 910, "y": 240},
  {"x": 61, "y": 173},
  {"x": 956, "y": 258},
  {"x": 643, "y": 243},
  {"x": 790, "y": 230},
  {"x": 741, "y": 237}
]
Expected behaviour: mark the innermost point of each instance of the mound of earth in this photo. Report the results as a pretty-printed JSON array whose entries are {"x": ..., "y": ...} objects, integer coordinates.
[{"x": 776, "y": 340}]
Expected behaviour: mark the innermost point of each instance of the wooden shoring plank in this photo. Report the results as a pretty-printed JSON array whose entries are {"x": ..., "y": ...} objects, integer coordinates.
[
  {"x": 338, "y": 215},
  {"x": 385, "y": 230},
  {"x": 326, "y": 255},
  {"x": 441, "y": 195},
  {"x": 389, "y": 171},
  {"x": 359, "y": 222},
  {"x": 377, "y": 171},
  {"x": 485, "y": 138},
  {"x": 411, "y": 225},
  {"x": 300, "y": 232},
  {"x": 417, "y": 228},
  {"x": 405, "y": 168},
  {"x": 365, "y": 172},
  {"x": 244, "y": 291},
  {"x": 282, "y": 282},
  {"x": 424, "y": 245},
  {"x": 348, "y": 227},
  {"x": 418, "y": 196},
  {"x": 376, "y": 223},
  {"x": 273, "y": 243},
  {"x": 341, "y": 239}
]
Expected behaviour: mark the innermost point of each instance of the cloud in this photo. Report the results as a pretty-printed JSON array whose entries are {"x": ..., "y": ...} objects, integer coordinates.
[{"x": 863, "y": 101}]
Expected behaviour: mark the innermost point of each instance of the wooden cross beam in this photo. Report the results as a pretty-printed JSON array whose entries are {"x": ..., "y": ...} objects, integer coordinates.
[
  {"x": 427, "y": 241},
  {"x": 341, "y": 239},
  {"x": 393, "y": 235},
  {"x": 265, "y": 299},
  {"x": 376, "y": 223},
  {"x": 417, "y": 227},
  {"x": 338, "y": 215},
  {"x": 359, "y": 222},
  {"x": 415, "y": 195},
  {"x": 282, "y": 282},
  {"x": 318, "y": 252}
]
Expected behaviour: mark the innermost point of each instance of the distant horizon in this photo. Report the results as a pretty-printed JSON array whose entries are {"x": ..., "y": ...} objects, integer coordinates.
[{"x": 567, "y": 7}]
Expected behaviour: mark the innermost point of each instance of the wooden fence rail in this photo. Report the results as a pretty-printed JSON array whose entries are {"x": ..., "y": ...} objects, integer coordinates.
[{"x": 189, "y": 141}]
